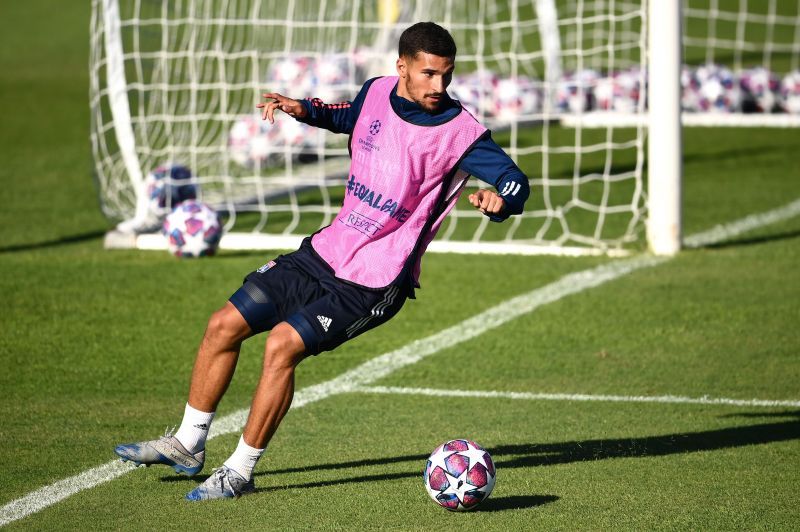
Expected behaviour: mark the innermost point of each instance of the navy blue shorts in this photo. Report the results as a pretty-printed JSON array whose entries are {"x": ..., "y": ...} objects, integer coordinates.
[{"x": 300, "y": 289}]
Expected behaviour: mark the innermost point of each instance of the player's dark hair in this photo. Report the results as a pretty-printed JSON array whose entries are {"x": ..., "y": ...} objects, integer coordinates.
[{"x": 427, "y": 37}]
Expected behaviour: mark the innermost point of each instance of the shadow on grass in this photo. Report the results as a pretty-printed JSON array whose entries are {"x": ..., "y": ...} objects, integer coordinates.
[
  {"x": 53, "y": 243},
  {"x": 788, "y": 235},
  {"x": 518, "y": 502},
  {"x": 546, "y": 454}
]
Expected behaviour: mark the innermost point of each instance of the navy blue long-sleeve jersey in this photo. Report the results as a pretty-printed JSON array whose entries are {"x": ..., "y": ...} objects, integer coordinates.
[{"x": 485, "y": 160}]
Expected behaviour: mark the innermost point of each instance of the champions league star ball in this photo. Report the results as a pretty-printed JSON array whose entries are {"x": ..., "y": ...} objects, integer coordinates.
[
  {"x": 459, "y": 475},
  {"x": 711, "y": 89},
  {"x": 620, "y": 91},
  {"x": 332, "y": 76},
  {"x": 760, "y": 89},
  {"x": 515, "y": 98},
  {"x": 790, "y": 92},
  {"x": 255, "y": 142},
  {"x": 252, "y": 141},
  {"x": 294, "y": 74},
  {"x": 192, "y": 229},
  {"x": 575, "y": 93},
  {"x": 167, "y": 186},
  {"x": 475, "y": 91}
]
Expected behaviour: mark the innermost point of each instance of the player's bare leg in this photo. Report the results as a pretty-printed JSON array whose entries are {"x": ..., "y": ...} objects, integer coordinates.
[
  {"x": 273, "y": 396},
  {"x": 217, "y": 357},
  {"x": 271, "y": 401},
  {"x": 213, "y": 369}
]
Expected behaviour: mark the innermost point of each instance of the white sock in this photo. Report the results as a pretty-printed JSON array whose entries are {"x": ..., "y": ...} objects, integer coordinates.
[
  {"x": 194, "y": 429},
  {"x": 244, "y": 459}
]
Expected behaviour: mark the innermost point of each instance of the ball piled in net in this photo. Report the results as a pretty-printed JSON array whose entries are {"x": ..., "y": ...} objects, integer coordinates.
[
  {"x": 168, "y": 185},
  {"x": 192, "y": 229},
  {"x": 760, "y": 89},
  {"x": 459, "y": 475},
  {"x": 710, "y": 89},
  {"x": 790, "y": 92}
]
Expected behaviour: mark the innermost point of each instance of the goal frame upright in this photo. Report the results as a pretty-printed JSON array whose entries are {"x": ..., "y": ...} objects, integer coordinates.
[{"x": 665, "y": 148}]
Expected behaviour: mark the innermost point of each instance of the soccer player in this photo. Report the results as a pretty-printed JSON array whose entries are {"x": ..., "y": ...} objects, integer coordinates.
[{"x": 412, "y": 149}]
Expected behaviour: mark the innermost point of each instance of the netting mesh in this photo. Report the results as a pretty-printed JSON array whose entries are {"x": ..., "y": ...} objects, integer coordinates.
[
  {"x": 193, "y": 71},
  {"x": 743, "y": 33}
]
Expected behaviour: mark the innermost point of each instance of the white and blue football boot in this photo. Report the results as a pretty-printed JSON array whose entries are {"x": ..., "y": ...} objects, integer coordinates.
[
  {"x": 224, "y": 483},
  {"x": 166, "y": 450}
]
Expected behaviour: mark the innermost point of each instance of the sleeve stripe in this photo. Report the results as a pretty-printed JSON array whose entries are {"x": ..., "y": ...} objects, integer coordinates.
[
  {"x": 510, "y": 189},
  {"x": 316, "y": 102}
]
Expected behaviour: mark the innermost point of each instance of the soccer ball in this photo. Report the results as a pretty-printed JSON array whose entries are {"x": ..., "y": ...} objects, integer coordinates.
[
  {"x": 619, "y": 92},
  {"x": 475, "y": 91},
  {"x": 790, "y": 92},
  {"x": 253, "y": 141},
  {"x": 575, "y": 93},
  {"x": 167, "y": 186},
  {"x": 514, "y": 98},
  {"x": 760, "y": 89},
  {"x": 459, "y": 475},
  {"x": 332, "y": 76},
  {"x": 193, "y": 229},
  {"x": 717, "y": 90},
  {"x": 294, "y": 74}
]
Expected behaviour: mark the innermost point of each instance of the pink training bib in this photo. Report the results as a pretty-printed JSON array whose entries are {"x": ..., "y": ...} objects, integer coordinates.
[{"x": 397, "y": 173}]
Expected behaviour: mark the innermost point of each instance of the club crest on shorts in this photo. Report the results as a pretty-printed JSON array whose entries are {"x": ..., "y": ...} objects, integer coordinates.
[{"x": 266, "y": 267}]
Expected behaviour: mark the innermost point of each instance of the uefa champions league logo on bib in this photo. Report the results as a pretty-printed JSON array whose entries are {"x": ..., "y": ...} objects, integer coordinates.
[{"x": 375, "y": 127}]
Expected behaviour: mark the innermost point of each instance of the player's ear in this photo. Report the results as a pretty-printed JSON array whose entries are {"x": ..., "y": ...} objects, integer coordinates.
[{"x": 402, "y": 66}]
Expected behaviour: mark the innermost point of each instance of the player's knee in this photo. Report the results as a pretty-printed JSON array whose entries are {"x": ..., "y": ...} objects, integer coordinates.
[
  {"x": 284, "y": 349},
  {"x": 226, "y": 324}
]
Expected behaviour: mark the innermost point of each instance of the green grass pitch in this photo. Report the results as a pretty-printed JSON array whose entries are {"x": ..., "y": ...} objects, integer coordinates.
[{"x": 96, "y": 349}]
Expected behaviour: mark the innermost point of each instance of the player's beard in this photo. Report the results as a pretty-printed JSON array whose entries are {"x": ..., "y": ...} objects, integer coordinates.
[{"x": 427, "y": 104}]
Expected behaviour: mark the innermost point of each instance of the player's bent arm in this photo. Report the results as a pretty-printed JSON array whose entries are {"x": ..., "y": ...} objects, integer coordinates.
[
  {"x": 514, "y": 189},
  {"x": 489, "y": 163}
]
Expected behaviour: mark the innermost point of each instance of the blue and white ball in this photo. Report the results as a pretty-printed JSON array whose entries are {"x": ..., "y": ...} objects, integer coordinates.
[
  {"x": 575, "y": 91},
  {"x": 620, "y": 91},
  {"x": 459, "y": 475},
  {"x": 760, "y": 90},
  {"x": 296, "y": 136},
  {"x": 690, "y": 90},
  {"x": 332, "y": 77},
  {"x": 294, "y": 74},
  {"x": 717, "y": 90},
  {"x": 790, "y": 92},
  {"x": 515, "y": 99},
  {"x": 193, "y": 229},
  {"x": 169, "y": 185},
  {"x": 475, "y": 91},
  {"x": 253, "y": 141}
]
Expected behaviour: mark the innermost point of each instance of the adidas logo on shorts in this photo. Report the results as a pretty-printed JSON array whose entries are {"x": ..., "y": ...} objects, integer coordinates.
[{"x": 326, "y": 322}]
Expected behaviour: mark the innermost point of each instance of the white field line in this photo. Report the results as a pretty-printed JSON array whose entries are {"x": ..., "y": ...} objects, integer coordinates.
[
  {"x": 705, "y": 400},
  {"x": 387, "y": 363},
  {"x": 724, "y": 232}
]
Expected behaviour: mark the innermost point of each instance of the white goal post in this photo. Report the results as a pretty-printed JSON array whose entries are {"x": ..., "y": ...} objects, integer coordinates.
[{"x": 563, "y": 84}]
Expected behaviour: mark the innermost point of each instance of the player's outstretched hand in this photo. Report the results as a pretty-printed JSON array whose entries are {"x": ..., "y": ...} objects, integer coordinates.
[
  {"x": 279, "y": 101},
  {"x": 487, "y": 202}
]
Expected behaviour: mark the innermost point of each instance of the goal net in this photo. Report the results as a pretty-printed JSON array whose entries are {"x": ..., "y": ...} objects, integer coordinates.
[
  {"x": 174, "y": 86},
  {"x": 741, "y": 62}
]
